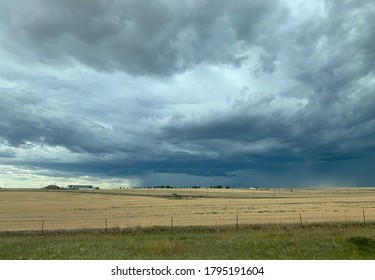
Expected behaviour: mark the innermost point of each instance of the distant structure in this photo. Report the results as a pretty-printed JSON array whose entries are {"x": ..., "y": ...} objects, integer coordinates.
[
  {"x": 52, "y": 187},
  {"x": 82, "y": 187}
]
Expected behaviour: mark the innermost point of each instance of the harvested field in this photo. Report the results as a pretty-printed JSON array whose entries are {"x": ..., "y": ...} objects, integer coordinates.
[{"x": 49, "y": 210}]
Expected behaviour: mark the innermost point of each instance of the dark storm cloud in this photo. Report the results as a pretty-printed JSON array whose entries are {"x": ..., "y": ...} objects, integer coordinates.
[
  {"x": 243, "y": 127},
  {"x": 332, "y": 52},
  {"x": 7, "y": 153},
  {"x": 296, "y": 104},
  {"x": 125, "y": 168},
  {"x": 157, "y": 37},
  {"x": 21, "y": 123},
  {"x": 343, "y": 132}
]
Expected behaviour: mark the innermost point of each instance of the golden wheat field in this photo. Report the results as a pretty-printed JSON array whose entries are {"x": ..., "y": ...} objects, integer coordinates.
[{"x": 48, "y": 210}]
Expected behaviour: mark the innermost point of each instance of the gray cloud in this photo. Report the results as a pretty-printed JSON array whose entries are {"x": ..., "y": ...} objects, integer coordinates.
[
  {"x": 331, "y": 54},
  {"x": 158, "y": 38},
  {"x": 252, "y": 92}
]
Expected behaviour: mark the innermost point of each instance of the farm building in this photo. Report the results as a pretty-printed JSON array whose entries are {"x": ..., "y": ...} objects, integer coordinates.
[
  {"x": 52, "y": 187},
  {"x": 82, "y": 187}
]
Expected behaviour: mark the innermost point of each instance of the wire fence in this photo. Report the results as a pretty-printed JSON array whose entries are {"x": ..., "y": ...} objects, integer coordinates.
[
  {"x": 38, "y": 210},
  {"x": 302, "y": 218}
]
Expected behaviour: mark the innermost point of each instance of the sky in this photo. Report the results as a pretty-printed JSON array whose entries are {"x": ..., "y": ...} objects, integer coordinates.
[{"x": 194, "y": 92}]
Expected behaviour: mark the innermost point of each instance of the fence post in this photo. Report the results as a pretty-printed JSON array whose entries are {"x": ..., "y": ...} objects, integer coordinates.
[
  {"x": 106, "y": 226},
  {"x": 364, "y": 216},
  {"x": 237, "y": 222},
  {"x": 171, "y": 222},
  {"x": 42, "y": 227},
  {"x": 300, "y": 218}
]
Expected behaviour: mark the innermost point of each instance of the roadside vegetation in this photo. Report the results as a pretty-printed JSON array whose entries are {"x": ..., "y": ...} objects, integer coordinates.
[{"x": 325, "y": 241}]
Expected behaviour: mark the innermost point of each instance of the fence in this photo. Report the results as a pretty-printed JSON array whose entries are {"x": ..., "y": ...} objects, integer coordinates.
[
  {"x": 54, "y": 210},
  {"x": 302, "y": 218}
]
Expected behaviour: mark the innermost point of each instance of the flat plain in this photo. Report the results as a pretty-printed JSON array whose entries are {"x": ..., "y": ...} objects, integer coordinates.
[{"x": 28, "y": 209}]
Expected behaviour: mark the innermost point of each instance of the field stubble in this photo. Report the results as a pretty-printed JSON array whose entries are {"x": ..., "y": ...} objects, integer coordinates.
[{"x": 51, "y": 210}]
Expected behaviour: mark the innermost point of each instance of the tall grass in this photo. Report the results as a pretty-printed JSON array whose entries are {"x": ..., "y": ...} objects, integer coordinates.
[{"x": 275, "y": 242}]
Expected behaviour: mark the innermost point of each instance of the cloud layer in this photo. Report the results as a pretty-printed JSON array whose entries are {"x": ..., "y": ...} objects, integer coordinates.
[{"x": 199, "y": 92}]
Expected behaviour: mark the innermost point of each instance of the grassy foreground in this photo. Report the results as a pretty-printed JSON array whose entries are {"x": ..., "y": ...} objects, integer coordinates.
[{"x": 274, "y": 242}]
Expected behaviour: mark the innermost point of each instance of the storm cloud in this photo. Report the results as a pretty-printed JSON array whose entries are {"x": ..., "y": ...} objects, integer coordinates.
[
  {"x": 140, "y": 38},
  {"x": 194, "y": 92}
]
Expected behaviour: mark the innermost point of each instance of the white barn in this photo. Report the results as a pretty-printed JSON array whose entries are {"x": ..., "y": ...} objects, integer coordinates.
[{"x": 82, "y": 187}]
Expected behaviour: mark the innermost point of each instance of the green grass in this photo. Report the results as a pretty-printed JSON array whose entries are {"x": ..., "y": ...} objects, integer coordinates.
[{"x": 274, "y": 242}]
